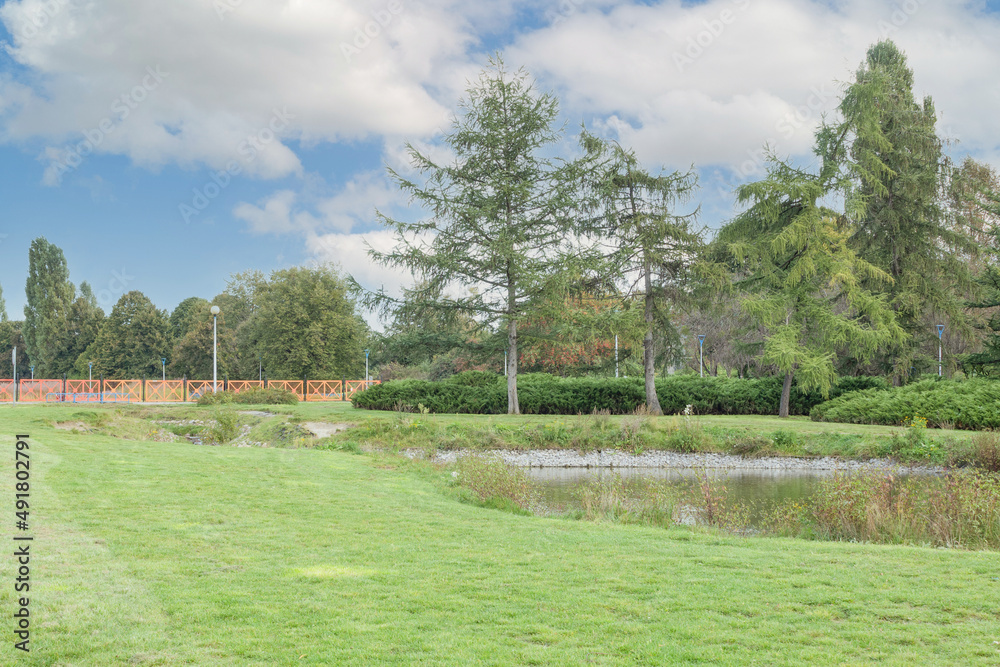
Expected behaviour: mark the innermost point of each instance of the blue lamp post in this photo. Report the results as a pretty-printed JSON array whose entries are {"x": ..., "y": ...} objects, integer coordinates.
[
  {"x": 32, "y": 372},
  {"x": 366, "y": 368},
  {"x": 940, "y": 330},
  {"x": 701, "y": 355},
  {"x": 90, "y": 371},
  {"x": 163, "y": 363}
]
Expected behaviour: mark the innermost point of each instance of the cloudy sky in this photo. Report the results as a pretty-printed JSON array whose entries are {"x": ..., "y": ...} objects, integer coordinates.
[{"x": 166, "y": 145}]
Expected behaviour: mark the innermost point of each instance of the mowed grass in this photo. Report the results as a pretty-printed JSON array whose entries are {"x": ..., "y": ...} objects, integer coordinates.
[{"x": 156, "y": 553}]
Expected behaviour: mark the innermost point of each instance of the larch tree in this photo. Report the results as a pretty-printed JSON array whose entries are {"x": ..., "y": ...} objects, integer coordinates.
[
  {"x": 886, "y": 156},
  {"x": 498, "y": 239},
  {"x": 649, "y": 241},
  {"x": 806, "y": 287}
]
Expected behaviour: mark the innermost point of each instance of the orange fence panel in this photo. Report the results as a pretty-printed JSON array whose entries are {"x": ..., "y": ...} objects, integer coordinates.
[
  {"x": 198, "y": 388},
  {"x": 31, "y": 391},
  {"x": 324, "y": 390},
  {"x": 82, "y": 391},
  {"x": 164, "y": 391},
  {"x": 236, "y": 386},
  {"x": 294, "y": 386},
  {"x": 122, "y": 391},
  {"x": 6, "y": 390},
  {"x": 354, "y": 386}
]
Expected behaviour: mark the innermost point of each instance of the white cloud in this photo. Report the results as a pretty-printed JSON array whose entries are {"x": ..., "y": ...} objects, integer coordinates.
[
  {"x": 307, "y": 212},
  {"x": 708, "y": 82},
  {"x": 223, "y": 76}
]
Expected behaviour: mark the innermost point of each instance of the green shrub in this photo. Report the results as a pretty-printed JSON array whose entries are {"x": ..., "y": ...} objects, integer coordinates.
[
  {"x": 479, "y": 392},
  {"x": 225, "y": 428},
  {"x": 269, "y": 396},
  {"x": 971, "y": 404}
]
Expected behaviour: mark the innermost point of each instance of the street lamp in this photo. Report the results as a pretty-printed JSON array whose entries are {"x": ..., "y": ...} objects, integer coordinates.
[
  {"x": 701, "y": 355},
  {"x": 215, "y": 349},
  {"x": 90, "y": 371},
  {"x": 163, "y": 363},
  {"x": 940, "y": 330},
  {"x": 32, "y": 372},
  {"x": 260, "y": 368},
  {"x": 366, "y": 368},
  {"x": 616, "y": 355}
]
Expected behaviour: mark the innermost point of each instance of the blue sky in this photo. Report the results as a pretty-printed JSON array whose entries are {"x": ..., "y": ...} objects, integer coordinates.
[{"x": 308, "y": 109}]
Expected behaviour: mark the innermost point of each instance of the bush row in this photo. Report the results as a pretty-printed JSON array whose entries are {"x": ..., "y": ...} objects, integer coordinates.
[
  {"x": 538, "y": 393},
  {"x": 269, "y": 396},
  {"x": 970, "y": 404}
]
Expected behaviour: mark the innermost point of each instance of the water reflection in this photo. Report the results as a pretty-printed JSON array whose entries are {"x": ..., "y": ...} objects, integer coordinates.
[{"x": 560, "y": 489}]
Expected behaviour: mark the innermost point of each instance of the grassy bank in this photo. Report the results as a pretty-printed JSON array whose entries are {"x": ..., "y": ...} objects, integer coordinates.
[{"x": 166, "y": 553}]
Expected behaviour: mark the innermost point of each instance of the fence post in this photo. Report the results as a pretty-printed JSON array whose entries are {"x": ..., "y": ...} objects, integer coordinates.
[
  {"x": 100, "y": 388},
  {"x": 265, "y": 380},
  {"x": 142, "y": 395},
  {"x": 343, "y": 388},
  {"x": 225, "y": 382},
  {"x": 63, "y": 399},
  {"x": 184, "y": 388}
]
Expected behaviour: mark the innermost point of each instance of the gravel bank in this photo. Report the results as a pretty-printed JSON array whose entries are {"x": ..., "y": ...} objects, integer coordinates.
[{"x": 615, "y": 459}]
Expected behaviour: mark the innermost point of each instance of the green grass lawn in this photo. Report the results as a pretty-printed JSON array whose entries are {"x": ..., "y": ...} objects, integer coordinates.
[{"x": 155, "y": 553}]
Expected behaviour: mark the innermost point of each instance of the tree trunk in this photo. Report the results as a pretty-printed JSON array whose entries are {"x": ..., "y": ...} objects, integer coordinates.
[
  {"x": 512, "y": 405},
  {"x": 786, "y": 395},
  {"x": 648, "y": 353}
]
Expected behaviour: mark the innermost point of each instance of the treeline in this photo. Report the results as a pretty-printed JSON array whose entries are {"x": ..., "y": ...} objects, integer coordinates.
[
  {"x": 862, "y": 262},
  {"x": 295, "y": 323}
]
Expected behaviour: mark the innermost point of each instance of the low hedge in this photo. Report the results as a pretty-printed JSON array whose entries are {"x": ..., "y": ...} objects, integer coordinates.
[
  {"x": 269, "y": 396},
  {"x": 970, "y": 404},
  {"x": 539, "y": 393}
]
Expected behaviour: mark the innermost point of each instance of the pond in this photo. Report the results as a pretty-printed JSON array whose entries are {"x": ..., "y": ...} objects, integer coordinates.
[{"x": 561, "y": 489}]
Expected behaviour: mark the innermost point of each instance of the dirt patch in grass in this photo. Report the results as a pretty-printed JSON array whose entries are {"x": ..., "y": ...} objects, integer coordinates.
[
  {"x": 71, "y": 426},
  {"x": 324, "y": 429}
]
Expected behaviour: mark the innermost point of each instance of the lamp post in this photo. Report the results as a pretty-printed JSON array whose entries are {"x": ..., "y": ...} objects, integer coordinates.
[
  {"x": 13, "y": 361},
  {"x": 32, "y": 372},
  {"x": 940, "y": 330},
  {"x": 260, "y": 368},
  {"x": 616, "y": 355},
  {"x": 163, "y": 364},
  {"x": 90, "y": 371},
  {"x": 366, "y": 368},
  {"x": 215, "y": 349},
  {"x": 701, "y": 355}
]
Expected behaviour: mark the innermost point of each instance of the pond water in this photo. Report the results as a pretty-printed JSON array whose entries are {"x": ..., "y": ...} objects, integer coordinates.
[{"x": 560, "y": 489}]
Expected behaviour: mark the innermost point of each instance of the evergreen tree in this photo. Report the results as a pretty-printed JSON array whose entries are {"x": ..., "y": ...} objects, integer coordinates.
[
  {"x": 806, "y": 285},
  {"x": 46, "y": 314},
  {"x": 651, "y": 242},
  {"x": 888, "y": 160},
  {"x": 498, "y": 237}
]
